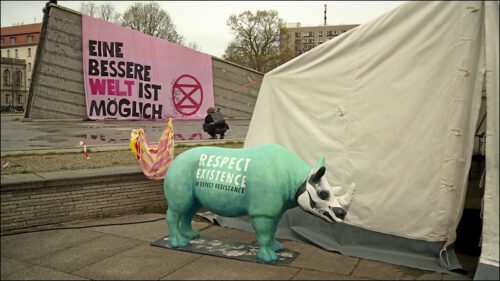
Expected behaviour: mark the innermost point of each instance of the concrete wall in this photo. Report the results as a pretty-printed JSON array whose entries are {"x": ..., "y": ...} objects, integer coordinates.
[
  {"x": 57, "y": 90},
  {"x": 72, "y": 197},
  {"x": 235, "y": 88}
]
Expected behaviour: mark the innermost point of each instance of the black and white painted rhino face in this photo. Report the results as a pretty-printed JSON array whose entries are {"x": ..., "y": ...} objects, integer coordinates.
[{"x": 317, "y": 197}]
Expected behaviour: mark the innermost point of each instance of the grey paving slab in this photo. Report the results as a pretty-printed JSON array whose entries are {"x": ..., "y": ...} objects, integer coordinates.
[
  {"x": 42, "y": 273},
  {"x": 377, "y": 270},
  {"x": 148, "y": 232},
  {"x": 317, "y": 259},
  {"x": 143, "y": 262},
  {"x": 385, "y": 271},
  {"x": 79, "y": 256},
  {"x": 227, "y": 233},
  {"x": 306, "y": 274},
  {"x": 132, "y": 226},
  {"x": 408, "y": 273},
  {"x": 30, "y": 246},
  {"x": 116, "y": 219},
  {"x": 447, "y": 276},
  {"x": 214, "y": 268},
  {"x": 10, "y": 266}
]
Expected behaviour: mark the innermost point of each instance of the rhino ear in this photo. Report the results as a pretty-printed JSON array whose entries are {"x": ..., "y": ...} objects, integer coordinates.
[
  {"x": 317, "y": 176},
  {"x": 321, "y": 162}
]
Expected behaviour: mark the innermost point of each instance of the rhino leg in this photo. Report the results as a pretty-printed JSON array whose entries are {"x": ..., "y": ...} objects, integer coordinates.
[
  {"x": 276, "y": 245},
  {"x": 186, "y": 228},
  {"x": 265, "y": 229},
  {"x": 176, "y": 238}
]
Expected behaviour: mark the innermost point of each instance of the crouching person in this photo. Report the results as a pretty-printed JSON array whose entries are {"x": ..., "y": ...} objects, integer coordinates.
[{"x": 215, "y": 123}]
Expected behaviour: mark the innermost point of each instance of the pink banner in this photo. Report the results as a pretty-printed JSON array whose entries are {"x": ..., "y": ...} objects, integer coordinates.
[{"x": 131, "y": 75}]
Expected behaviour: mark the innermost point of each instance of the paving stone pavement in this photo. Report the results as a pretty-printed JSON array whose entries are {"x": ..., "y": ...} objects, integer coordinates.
[{"x": 123, "y": 252}]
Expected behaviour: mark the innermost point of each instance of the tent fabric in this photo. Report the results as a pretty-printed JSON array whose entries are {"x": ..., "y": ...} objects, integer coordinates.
[
  {"x": 486, "y": 272},
  {"x": 354, "y": 241},
  {"x": 488, "y": 261},
  {"x": 393, "y": 106}
]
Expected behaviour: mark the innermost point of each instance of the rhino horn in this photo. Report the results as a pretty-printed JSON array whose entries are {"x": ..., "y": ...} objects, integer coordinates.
[
  {"x": 346, "y": 199},
  {"x": 336, "y": 190}
]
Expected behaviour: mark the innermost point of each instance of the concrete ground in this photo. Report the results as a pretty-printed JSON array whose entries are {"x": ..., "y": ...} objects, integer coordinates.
[{"x": 123, "y": 252}]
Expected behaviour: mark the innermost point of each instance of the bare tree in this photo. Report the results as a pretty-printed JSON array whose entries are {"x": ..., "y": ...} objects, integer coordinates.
[
  {"x": 108, "y": 12},
  {"x": 194, "y": 45},
  {"x": 151, "y": 19},
  {"x": 88, "y": 8},
  {"x": 105, "y": 11},
  {"x": 257, "y": 42}
]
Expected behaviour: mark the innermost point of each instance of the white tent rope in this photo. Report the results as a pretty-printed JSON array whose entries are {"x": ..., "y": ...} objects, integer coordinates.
[
  {"x": 483, "y": 176},
  {"x": 447, "y": 263}
]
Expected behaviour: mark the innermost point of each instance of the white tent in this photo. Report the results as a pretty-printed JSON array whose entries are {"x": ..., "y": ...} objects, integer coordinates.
[{"x": 393, "y": 105}]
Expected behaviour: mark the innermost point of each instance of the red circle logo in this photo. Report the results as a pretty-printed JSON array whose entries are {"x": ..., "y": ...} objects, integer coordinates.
[{"x": 187, "y": 94}]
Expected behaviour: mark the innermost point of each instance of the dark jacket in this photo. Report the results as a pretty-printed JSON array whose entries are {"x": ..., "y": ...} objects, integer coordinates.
[{"x": 209, "y": 120}]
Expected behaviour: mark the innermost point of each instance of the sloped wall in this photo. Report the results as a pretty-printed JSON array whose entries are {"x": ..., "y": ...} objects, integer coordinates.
[
  {"x": 57, "y": 90},
  {"x": 235, "y": 88}
]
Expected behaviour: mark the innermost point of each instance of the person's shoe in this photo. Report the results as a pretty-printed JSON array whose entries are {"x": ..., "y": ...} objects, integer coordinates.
[{"x": 212, "y": 138}]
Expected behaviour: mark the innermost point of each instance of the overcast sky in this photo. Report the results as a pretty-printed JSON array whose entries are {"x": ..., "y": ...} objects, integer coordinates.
[{"x": 204, "y": 22}]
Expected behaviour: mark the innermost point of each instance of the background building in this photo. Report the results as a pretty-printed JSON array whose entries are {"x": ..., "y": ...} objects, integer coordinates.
[
  {"x": 302, "y": 39},
  {"x": 18, "y": 44},
  {"x": 13, "y": 84}
]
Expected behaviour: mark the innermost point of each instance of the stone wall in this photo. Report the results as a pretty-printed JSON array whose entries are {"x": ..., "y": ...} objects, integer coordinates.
[
  {"x": 75, "y": 196},
  {"x": 57, "y": 90}
]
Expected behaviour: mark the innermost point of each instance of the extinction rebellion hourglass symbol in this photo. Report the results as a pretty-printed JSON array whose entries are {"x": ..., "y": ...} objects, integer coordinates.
[{"x": 187, "y": 95}]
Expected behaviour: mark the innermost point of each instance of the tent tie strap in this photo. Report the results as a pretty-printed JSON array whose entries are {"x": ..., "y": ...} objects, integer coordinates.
[
  {"x": 458, "y": 132},
  {"x": 448, "y": 186},
  {"x": 472, "y": 9},
  {"x": 465, "y": 71},
  {"x": 341, "y": 110}
]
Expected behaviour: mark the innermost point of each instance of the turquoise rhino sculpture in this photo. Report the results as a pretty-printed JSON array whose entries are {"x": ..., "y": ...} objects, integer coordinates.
[{"x": 261, "y": 182}]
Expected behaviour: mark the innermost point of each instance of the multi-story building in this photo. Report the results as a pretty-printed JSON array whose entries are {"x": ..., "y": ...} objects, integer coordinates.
[
  {"x": 13, "y": 84},
  {"x": 19, "y": 43},
  {"x": 301, "y": 39}
]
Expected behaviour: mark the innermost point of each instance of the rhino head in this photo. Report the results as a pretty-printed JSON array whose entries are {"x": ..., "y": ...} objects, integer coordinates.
[{"x": 317, "y": 197}]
